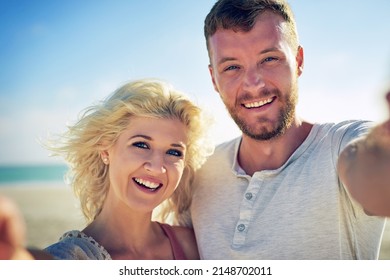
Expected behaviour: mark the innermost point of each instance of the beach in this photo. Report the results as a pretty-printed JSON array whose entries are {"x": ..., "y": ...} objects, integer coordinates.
[{"x": 49, "y": 211}]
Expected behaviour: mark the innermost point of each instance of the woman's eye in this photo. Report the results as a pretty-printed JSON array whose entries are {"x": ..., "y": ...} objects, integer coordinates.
[
  {"x": 141, "y": 145},
  {"x": 176, "y": 153}
]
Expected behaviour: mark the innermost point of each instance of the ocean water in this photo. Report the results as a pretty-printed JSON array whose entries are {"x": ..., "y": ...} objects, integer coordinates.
[{"x": 32, "y": 174}]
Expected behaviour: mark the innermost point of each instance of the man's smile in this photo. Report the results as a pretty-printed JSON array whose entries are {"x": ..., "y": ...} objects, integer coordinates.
[{"x": 258, "y": 104}]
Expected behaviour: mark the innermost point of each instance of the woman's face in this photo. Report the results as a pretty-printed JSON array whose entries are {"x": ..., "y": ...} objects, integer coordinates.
[{"x": 147, "y": 162}]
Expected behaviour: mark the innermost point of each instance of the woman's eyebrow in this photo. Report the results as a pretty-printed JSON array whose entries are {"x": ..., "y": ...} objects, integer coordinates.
[{"x": 141, "y": 136}]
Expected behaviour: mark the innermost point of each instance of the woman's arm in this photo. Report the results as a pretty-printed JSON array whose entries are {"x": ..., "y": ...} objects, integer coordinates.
[{"x": 12, "y": 232}]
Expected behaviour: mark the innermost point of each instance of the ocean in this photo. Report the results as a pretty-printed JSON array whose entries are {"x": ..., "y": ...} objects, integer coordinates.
[{"x": 32, "y": 174}]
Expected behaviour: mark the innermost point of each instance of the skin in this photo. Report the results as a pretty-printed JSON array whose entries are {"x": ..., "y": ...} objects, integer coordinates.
[
  {"x": 12, "y": 232},
  {"x": 255, "y": 74},
  {"x": 149, "y": 152},
  {"x": 364, "y": 167}
]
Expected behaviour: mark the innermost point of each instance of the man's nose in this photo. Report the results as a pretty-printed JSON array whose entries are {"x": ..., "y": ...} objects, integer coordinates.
[{"x": 253, "y": 78}]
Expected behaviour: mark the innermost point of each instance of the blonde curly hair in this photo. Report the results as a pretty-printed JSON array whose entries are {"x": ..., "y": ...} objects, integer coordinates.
[{"x": 81, "y": 145}]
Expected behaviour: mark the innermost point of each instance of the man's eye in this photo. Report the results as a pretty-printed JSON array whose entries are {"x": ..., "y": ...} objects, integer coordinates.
[
  {"x": 270, "y": 59},
  {"x": 175, "y": 153},
  {"x": 230, "y": 68},
  {"x": 141, "y": 145}
]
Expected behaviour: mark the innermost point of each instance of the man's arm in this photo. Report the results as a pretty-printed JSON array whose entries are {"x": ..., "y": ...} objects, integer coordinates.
[{"x": 364, "y": 168}]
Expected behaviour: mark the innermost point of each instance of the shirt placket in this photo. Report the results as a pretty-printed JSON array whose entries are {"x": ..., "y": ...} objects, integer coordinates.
[{"x": 246, "y": 211}]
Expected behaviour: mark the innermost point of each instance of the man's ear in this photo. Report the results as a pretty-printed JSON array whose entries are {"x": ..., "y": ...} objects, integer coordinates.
[{"x": 300, "y": 60}]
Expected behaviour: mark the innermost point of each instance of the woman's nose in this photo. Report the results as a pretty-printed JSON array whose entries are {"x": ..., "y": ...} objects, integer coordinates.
[{"x": 155, "y": 164}]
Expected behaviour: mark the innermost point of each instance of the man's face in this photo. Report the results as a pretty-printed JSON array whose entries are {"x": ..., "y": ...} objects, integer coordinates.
[{"x": 256, "y": 75}]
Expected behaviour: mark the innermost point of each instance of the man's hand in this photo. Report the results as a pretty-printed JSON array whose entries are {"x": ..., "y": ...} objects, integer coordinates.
[{"x": 364, "y": 168}]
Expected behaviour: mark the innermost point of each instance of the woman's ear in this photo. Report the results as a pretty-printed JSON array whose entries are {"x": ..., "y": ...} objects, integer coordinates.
[{"x": 105, "y": 157}]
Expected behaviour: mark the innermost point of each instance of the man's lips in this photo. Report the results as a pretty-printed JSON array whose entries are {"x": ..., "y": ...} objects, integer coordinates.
[{"x": 258, "y": 104}]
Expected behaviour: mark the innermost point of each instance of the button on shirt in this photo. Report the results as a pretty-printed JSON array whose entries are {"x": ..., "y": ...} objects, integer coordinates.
[{"x": 256, "y": 191}]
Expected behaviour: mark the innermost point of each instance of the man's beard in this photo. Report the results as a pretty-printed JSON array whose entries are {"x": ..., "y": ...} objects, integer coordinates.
[{"x": 284, "y": 120}]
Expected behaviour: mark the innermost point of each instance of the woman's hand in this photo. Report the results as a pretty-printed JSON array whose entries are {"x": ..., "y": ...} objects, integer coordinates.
[{"x": 12, "y": 232}]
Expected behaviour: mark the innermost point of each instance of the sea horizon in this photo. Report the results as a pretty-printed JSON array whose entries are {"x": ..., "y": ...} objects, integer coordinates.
[{"x": 32, "y": 174}]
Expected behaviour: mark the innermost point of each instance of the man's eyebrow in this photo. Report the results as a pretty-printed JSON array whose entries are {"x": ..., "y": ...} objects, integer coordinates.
[
  {"x": 230, "y": 58},
  {"x": 225, "y": 59},
  {"x": 272, "y": 49}
]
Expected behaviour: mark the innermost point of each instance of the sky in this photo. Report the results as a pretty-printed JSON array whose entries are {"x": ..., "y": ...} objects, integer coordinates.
[{"x": 58, "y": 57}]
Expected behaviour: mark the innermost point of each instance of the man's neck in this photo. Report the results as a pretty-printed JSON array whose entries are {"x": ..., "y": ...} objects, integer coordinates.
[{"x": 255, "y": 155}]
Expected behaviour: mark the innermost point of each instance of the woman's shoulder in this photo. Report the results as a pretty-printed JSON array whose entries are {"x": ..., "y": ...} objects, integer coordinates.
[
  {"x": 187, "y": 240},
  {"x": 75, "y": 245}
]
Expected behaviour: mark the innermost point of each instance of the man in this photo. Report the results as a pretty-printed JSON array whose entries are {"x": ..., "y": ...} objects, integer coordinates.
[{"x": 274, "y": 192}]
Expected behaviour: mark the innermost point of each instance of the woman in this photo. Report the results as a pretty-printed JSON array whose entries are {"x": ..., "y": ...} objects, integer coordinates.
[{"x": 133, "y": 153}]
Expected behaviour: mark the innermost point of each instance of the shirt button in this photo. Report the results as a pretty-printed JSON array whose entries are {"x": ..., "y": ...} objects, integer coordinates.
[
  {"x": 248, "y": 196},
  {"x": 241, "y": 227}
]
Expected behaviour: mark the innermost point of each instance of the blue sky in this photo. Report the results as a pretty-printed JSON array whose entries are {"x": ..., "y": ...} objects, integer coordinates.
[{"x": 57, "y": 57}]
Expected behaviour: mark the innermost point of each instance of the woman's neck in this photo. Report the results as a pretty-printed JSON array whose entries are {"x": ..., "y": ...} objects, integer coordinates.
[{"x": 129, "y": 235}]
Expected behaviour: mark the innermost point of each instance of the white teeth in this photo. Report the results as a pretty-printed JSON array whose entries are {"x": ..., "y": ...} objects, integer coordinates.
[
  {"x": 258, "y": 103},
  {"x": 148, "y": 184}
]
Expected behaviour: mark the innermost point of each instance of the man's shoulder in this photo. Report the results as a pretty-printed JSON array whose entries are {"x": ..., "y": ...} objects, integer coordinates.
[
  {"x": 227, "y": 146},
  {"x": 339, "y": 134},
  {"x": 224, "y": 151},
  {"x": 221, "y": 160},
  {"x": 342, "y": 127}
]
